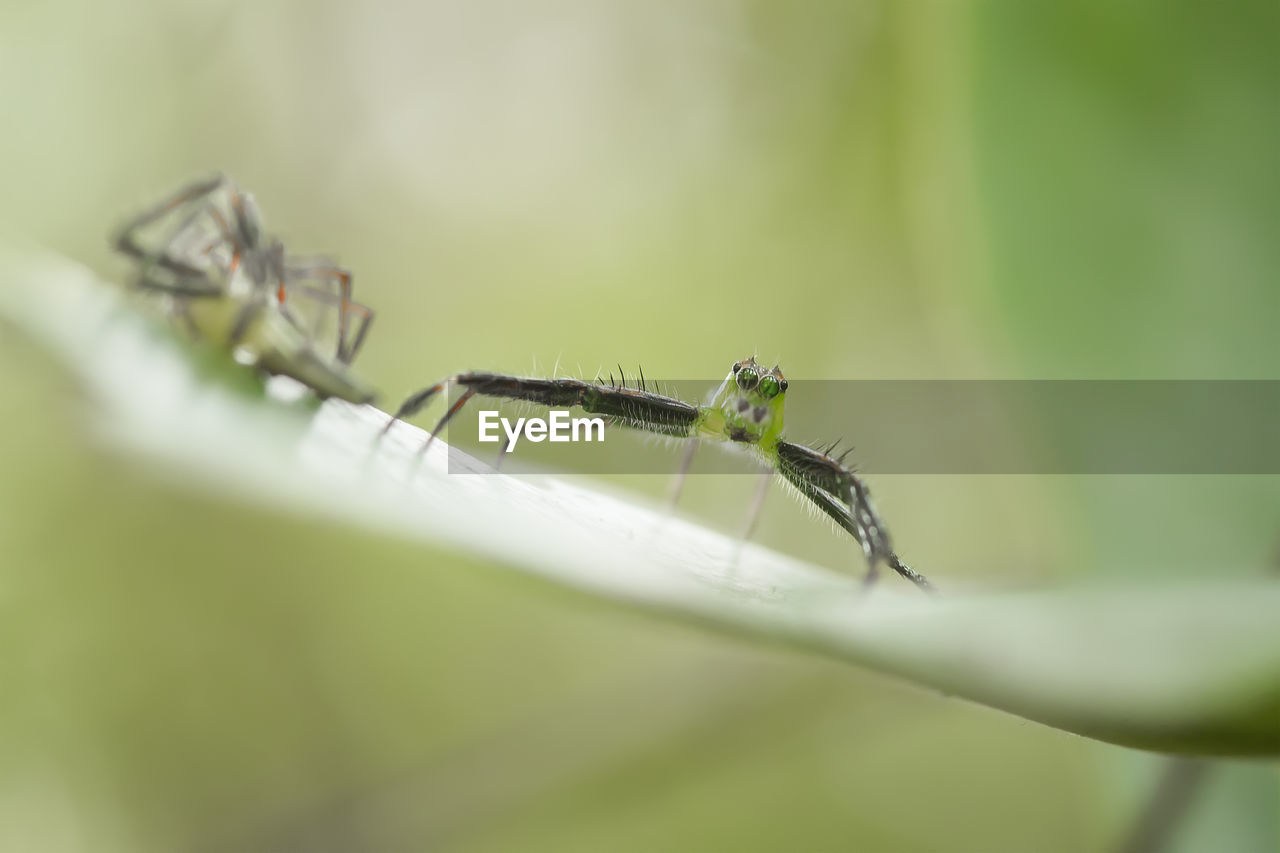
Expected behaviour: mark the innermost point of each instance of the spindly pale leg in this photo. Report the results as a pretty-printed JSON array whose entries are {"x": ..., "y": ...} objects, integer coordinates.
[
  {"x": 322, "y": 269},
  {"x": 757, "y": 504},
  {"x": 347, "y": 347},
  {"x": 682, "y": 474}
]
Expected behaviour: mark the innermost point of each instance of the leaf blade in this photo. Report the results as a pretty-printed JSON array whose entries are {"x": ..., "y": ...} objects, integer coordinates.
[{"x": 1193, "y": 668}]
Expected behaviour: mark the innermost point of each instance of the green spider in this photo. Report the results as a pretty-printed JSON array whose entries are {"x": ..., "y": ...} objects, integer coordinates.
[
  {"x": 747, "y": 410},
  {"x": 230, "y": 283}
]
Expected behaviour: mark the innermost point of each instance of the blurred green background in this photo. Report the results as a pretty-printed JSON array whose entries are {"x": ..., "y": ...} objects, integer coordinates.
[{"x": 858, "y": 190}]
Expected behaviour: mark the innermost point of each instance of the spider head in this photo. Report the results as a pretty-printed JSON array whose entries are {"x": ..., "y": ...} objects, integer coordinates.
[
  {"x": 760, "y": 385},
  {"x": 751, "y": 401}
]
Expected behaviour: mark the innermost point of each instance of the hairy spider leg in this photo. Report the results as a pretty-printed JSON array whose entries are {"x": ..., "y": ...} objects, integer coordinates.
[
  {"x": 839, "y": 513},
  {"x": 895, "y": 563},
  {"x": 627, "y": 406},
  {"x": 842, "y": 495},
  {"x": 833, "y": 477}
]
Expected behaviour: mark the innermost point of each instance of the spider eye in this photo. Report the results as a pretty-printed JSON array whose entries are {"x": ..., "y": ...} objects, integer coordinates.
[
  {"x": 737, "y": 367},
  {"x": 769, "y": 386},
  {"x": 783, "y": 386},
  {"x": 747, "y": 378}
]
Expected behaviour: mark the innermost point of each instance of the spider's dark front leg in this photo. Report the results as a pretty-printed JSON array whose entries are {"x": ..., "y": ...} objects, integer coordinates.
[
  {"x": 544, "y": 392},
  {"x": 627, "y": 406},
  {"x": 798, "y": 462},
  {"x": 843, "y": 496},
  {"x": 641, "y": 409}
]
